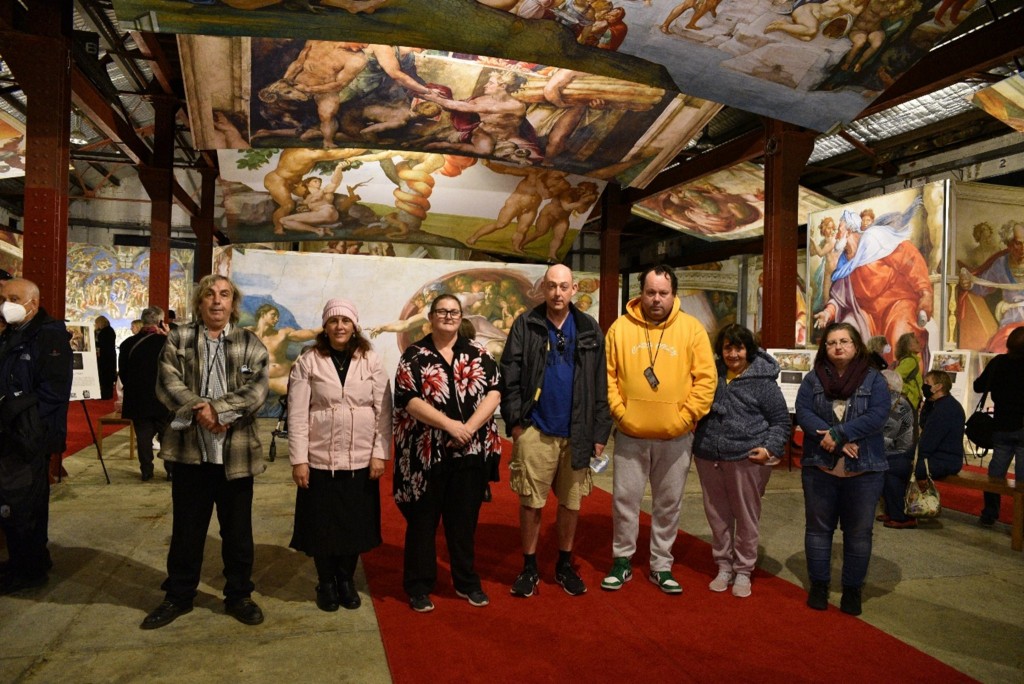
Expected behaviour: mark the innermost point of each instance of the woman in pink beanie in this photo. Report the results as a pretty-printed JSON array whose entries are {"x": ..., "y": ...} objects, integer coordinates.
[{"x": 339, "y": 435}]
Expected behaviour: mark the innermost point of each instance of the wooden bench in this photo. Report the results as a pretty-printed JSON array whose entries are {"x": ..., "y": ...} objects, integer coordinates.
[
  {"x": 996, "y": 485},
  {"x": 114, "y": 418}
]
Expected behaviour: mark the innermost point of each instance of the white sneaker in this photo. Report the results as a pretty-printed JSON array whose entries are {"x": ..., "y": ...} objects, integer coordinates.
[
  {"x": 741, "y": 586},
  {"x": 721, "y": 582}
]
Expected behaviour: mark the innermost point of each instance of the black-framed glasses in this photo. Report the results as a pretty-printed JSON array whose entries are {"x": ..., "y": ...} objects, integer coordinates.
[
  {"x": 559, "y": 341},
  {"x": 453, "y": 314}
]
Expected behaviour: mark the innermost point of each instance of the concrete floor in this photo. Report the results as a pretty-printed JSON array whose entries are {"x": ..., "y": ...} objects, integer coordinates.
[{"x": 953, "y": 590}]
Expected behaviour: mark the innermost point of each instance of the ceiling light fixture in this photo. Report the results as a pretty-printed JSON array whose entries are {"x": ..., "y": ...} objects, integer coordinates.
[{"x": 77, "y": 137}]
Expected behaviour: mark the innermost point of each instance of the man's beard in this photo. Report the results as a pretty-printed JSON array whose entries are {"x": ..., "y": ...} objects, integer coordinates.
[{"x": 840, "y": 244}]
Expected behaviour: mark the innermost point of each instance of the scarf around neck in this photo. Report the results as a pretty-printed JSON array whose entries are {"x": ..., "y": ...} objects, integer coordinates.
[{"x": 842, "y": 387}]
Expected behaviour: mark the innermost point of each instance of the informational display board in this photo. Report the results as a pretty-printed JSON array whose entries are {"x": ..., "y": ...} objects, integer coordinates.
[
  {"x": 794, "y": 364},
  {"x": 85, "y": 380},
  {"x": 958, "y": 364}
]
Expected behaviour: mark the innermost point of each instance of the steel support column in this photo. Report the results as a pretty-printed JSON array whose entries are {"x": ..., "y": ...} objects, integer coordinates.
[
  {"x": 158, "y": 179},
  {"x": 41, "y": 62},
  {"x": 202, "y": 225},
  {"x": 787, "y": 148}
]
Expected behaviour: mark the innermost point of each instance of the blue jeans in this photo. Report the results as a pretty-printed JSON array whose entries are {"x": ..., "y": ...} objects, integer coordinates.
[
  {"x": 1005, "y": 446},
  {"x": 894, "y": 491},
  {"x": 830, "y": 501}
]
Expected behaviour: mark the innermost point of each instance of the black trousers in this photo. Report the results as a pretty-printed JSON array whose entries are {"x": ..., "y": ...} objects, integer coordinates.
[
  {"x": 195, "y": 490},
  {"x": 336, "y": 568},
  {"x": 25, "y": 513},
  {"x": 453, "y": 497},
  {"x": 145, "y": 430}
]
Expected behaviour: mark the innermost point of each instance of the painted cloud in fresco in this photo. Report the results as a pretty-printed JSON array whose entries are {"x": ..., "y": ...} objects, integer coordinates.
[
  {"x": 808, "y": 62},
  {"x": 281, "y": 93},
  {"x": 386, "y": 195},
  {"x": 726, "y": 205}
]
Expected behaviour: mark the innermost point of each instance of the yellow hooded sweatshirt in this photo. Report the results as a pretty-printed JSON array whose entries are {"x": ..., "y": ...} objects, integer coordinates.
[{"x": 684, "y": 364}]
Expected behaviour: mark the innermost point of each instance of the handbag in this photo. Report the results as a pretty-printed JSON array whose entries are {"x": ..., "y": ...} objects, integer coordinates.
[
  {"x": 980, "y": 426},
  {"x": 922, "y": 504}
]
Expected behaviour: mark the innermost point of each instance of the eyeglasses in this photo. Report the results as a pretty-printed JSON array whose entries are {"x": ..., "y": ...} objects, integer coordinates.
[
  {"x": 839, "y": 343},
  {"x": 448, "y": 313},
  {"x": 559, "y": 341}
]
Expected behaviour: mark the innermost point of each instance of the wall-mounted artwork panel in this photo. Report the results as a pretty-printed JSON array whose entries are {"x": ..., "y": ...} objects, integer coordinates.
[
  {"x": 986, "y": 272},
  {"x": 114, "y": 282},
  {"x": 877, "y": 264}
]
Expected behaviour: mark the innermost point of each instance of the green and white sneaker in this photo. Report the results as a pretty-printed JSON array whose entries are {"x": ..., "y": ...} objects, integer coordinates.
[
  {"x": 665, "y": 581},
  {"x": 618, "y": 575}
]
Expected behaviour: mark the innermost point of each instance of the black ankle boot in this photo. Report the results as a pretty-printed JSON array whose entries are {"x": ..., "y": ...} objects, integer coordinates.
[
  {"x": 349, "y": 596},
  {"x": 850, "y": 603},
  {"x": 327, "y": 596},
  {"x": 818, "y": 596}
]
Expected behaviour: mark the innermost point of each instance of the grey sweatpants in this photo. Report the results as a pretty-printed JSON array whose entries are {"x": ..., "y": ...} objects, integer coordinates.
[{"x": 666, "y": 463}]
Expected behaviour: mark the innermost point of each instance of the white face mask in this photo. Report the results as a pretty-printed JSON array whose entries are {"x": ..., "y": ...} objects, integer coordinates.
[{"x": 13, "y": 313}]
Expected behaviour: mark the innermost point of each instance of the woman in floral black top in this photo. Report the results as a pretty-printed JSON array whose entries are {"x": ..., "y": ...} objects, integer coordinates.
[{"x": 446, "y": 392}]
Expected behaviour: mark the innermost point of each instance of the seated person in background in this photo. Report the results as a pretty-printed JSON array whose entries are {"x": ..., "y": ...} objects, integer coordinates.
[
  {"x": 942, "y": 429},
  {"x": 898, "y": 436}
]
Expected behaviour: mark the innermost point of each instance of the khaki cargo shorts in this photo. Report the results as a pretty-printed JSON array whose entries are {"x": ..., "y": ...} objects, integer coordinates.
[{"x": 541, "y": 462}]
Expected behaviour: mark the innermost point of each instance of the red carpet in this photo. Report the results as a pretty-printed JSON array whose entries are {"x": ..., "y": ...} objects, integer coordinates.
[
  {"x": 78, "y": 429},
  {"x": 634, "y": 634}
]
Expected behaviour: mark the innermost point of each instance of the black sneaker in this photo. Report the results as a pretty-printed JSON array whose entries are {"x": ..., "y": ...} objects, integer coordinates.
[
  {"x": 986, "y": 520},
  {"x": 526, "y": 584},
  {"x": 421, "y": 603},
  {"x": 570, "y": 580},
  {"x": 476, "y": 598}
]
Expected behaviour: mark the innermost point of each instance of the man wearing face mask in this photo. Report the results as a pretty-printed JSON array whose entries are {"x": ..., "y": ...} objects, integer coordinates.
[
  {"x": 942, "y": 429},
  {"x": 35, "y": 386}
]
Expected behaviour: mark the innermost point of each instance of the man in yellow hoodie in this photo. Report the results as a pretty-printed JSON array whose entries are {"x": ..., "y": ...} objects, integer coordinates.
[{"x": 661, "y": 381}]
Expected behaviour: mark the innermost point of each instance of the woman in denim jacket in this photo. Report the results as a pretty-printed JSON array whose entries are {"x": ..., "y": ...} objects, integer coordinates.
[{"x": 842, "y": 407}]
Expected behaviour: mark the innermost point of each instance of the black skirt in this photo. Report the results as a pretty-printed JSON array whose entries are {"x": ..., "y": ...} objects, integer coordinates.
[{"x": 338, "y": 514}]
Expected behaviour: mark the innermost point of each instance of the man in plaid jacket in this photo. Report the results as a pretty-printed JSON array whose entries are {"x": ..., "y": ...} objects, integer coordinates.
[{"x": 213, "y": 379}]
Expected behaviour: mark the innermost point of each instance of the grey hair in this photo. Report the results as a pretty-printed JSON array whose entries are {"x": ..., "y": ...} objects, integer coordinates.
[{"x": 152, "y": 315}]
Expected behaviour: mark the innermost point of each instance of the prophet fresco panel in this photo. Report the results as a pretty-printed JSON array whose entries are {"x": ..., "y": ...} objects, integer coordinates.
[
  {"x": 809, "y": 62},
  {"x": 282, "y": 93},
  {"x": 418, "y": 197},
  {"x": 114, "y": 282},
  {"x": 726, "y": 205},
  {"x": 284, "y": 311},
  {"x": 1004, "y": 100},
  {"x": 986, "y": 271},
  {"x": 877, "y": 264}
]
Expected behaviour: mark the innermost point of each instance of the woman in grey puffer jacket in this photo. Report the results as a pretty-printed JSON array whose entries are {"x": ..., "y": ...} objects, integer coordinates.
[{"x": 736, "y": 444}]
